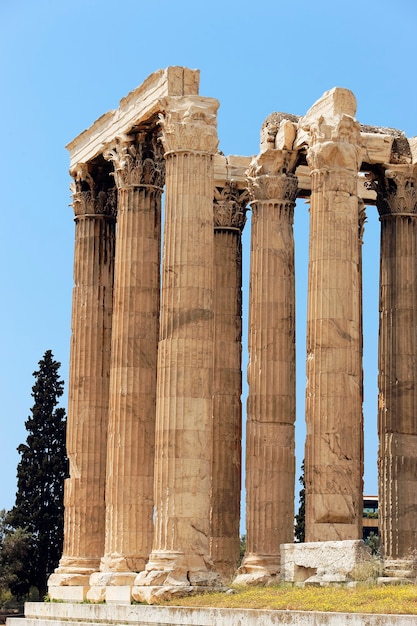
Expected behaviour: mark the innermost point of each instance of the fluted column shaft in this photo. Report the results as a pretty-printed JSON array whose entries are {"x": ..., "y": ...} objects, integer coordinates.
[
  {"x": 88, "y": 390},
  {"x": 270, "y": 462},
  {"x": 185, "y": 351},
  {"x": 229, "y": 219},
  {"x": 131, "y": 433},
  {"x": 334, "y": 442},
  {"x": 397, "y": 379}
]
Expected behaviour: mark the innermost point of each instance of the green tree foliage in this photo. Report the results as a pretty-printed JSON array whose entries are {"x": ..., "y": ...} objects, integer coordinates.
[
  {"x": 242, "y": 549},
  {"x": 372, "y": 541},
  {"x": 3, "y": 526},
  {"x": 15, "y": 554},
  {"x": 38, "y": 511},
  {"x": 300, "y": 518},
  {"x": 15, "y": 563}
]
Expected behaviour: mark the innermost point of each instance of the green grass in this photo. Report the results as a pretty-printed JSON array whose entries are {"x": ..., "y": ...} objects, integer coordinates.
[{"x": 398, "y": 599}]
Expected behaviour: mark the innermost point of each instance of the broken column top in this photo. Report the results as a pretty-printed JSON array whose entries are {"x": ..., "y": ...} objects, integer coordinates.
[{"x": 335, "y": 102}]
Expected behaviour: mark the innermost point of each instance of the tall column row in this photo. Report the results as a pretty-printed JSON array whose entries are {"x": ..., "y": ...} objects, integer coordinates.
[
  {"x": 175, "y": 513},
  {"x": 154, "y": 415}
]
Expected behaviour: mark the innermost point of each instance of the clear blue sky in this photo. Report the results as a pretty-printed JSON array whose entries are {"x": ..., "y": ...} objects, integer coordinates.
[{"x": 63, "y": 64}]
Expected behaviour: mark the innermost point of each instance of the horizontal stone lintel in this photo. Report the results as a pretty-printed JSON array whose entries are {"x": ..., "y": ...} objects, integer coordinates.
[
  {"x": 139, "y": 106},
  {"x": 231, "y": 168},
  {"x": 234, "y": 168}
]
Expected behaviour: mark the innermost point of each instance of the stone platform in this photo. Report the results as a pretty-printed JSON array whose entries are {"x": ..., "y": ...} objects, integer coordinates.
[{"x": 66, "y": 614}]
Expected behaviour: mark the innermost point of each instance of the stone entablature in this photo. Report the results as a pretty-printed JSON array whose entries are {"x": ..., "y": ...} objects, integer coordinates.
[
  {"x": 139, "y": 107},
  {"x": 154, "y": 416}
]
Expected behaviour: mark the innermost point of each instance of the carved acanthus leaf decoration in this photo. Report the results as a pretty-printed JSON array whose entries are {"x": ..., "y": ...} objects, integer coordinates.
[
  {"x": 270, "y": 176},
  {"x": 396, "y": 191},
  {"x": 230, "y": 207},
  {"x": 87, "y": 198},
  {"x": 279, "y": 187},
  {"x": 189, "y": 124},
  {"x": 137, "y": 161}
]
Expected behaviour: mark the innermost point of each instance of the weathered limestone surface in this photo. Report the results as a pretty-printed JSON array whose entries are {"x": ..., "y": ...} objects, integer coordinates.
[
  {"x": 322, "y": 562},
  {"x": 334, "y": 442},
  {"x": 131, "y": 433},
  {"x": 183, "y": 464},
  {"x": 229, "y": 220},
  {"x": 137, "y": 108},
  {"x": 161, "y": 415},
  {"x": 270, "y": 461},
  {"x": 95, "y": 209},
  {"x": 397, "y": 403},
  {"x": 57, "y": 614}
]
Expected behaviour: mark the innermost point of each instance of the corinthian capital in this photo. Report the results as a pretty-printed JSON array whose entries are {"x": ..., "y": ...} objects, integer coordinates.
[
  {"x": 189, "y": 124},
  {"x": 89, "y": 197},
  {"x": 137, "y": 160},
  {"x": 396, "y": 190},
  {"x": 335, "y": 143},
  {"x": 269, "y": 176},
  {"x": 230, "y": 207}
]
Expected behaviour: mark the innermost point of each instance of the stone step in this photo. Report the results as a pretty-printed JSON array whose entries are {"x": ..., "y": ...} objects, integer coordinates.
[
  {"x": 27, "y": 621},
  {"x": 399, "y": 573},
  {"x": 394, "y": 580},
  {"x": 399, "y": 564},
  {"x": 65, "y": 614},
  {"x": 182, "y": 616}
]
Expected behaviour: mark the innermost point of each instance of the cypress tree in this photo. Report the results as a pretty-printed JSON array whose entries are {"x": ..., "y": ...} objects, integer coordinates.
[
  {"x": 39, "y": 506},
  {"x": 300, "y": 518}
]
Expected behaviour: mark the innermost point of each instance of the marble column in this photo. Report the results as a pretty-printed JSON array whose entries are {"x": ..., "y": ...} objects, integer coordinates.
[
  {"x": 183, "y": 453},
  {"x": 229, "y": 220},
  {"x": 94, "y": 206},
  {"x": 397, "y": 364},
  {"x": 138, "y": 170},
  {"x": 334, "y": 441},
  {"x": 270, "y": 460}
]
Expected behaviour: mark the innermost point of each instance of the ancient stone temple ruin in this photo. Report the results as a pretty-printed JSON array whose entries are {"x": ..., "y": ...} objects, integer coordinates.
[{"x": 154, "y": 416}]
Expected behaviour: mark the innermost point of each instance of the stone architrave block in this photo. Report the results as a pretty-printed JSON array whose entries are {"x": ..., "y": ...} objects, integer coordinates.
[{"x": 323, "y": 561}]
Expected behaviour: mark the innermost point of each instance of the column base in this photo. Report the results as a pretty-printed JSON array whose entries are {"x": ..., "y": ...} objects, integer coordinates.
[
  {"x": 77, "y": 566},
  {"x": 258, "y": 569},
  {"x": 71, "y": 580},
  {"x": 155, "y": 594},
  {"x": 122, "y": 564},
  {"x": 173, "y": 574}
]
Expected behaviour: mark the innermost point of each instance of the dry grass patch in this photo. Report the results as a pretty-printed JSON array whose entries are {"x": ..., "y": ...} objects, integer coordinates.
[{"x": 399, "y": 599}]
